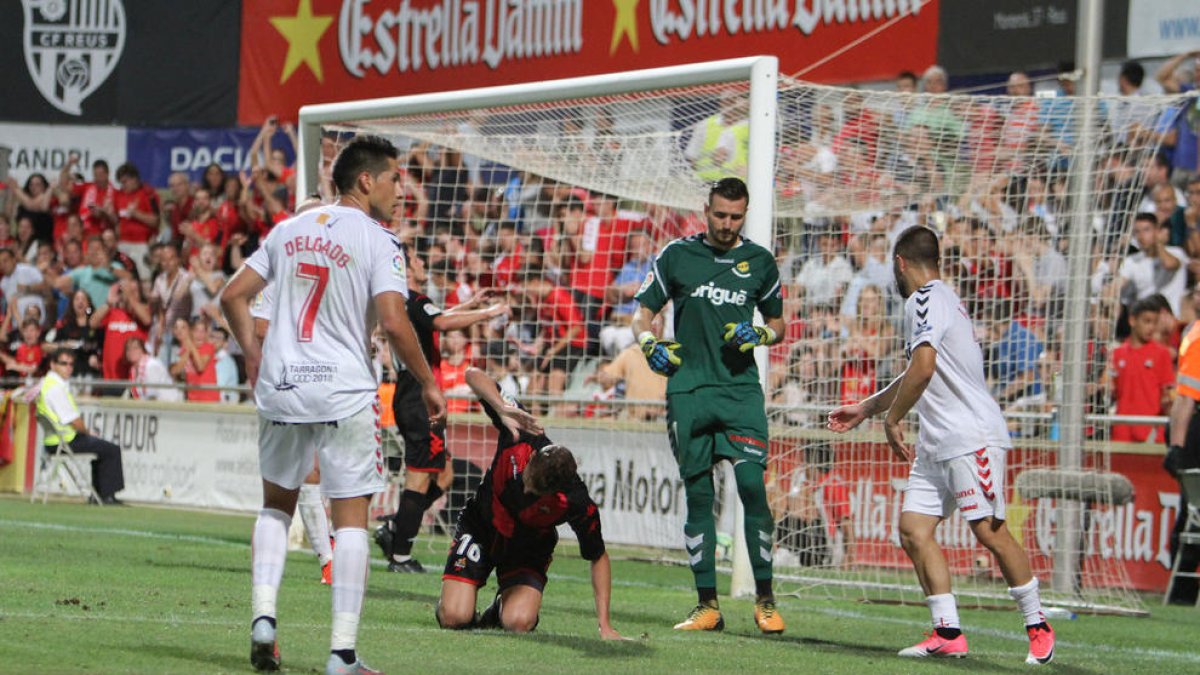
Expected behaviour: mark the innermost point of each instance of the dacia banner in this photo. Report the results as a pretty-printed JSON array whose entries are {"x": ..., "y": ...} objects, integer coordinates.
[
  {"x": 297, "y": 52},
  {"x": 119, "y": 61},
  {"x": 160, "y": 152}
]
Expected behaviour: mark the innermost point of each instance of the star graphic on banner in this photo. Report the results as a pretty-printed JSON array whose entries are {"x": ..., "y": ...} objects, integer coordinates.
[
  {"x": 303, "y": 32},
  {"x": 624, "y": 24}
]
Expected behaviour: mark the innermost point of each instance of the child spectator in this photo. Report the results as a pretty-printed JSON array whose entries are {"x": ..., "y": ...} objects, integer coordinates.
[
  {"x": 196, "y": 363},
  {"x": 28, "y": 357},
  {"x": 227, "y": 370},
  {"x": 146, "y": 371},
  {"x": 1142, "y": 376}
]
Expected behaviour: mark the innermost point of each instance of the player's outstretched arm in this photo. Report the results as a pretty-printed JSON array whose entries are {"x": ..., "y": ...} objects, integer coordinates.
[
  {"x": 515, "y": 419},
  {"x": 235, "y": 304},
  {"x": 393, "y": 319},
  {"x": 602, "y": 589},
  {"x": 847, "y": 417}
]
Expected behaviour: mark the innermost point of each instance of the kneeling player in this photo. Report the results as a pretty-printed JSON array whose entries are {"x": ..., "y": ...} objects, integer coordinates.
[{"x": 508, "y": 525}]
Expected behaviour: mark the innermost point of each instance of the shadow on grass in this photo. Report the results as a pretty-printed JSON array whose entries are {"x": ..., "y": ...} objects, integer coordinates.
[
  {"x": 589, "y": 646},
  {"x": 210, "y": 661},
  {"x": 377, "y": 593},
  {"x": 204, "y": 567}
]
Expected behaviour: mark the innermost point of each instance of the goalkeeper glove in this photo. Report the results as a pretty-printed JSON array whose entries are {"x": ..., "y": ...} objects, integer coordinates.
[
  {"x": 746, "y": 336},
  {"x": 660, "y": 354}
]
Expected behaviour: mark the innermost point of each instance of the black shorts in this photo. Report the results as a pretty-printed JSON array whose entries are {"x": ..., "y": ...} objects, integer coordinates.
[
  {"x": 566, "y": 360},
  {"x": 476, "y": 550},
  {"x": 424, "y": 447}
]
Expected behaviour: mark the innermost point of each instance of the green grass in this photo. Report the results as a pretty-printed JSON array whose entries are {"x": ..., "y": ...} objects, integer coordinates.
[{"x": 144, "y": 590}]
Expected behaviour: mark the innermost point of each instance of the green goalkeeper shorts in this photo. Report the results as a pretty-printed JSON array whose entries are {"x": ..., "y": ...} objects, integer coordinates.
[{"x": 713, "y": 423}]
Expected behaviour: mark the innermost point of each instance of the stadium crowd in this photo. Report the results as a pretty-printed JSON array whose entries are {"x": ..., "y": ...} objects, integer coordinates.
[{"x": 128, "y": 274}]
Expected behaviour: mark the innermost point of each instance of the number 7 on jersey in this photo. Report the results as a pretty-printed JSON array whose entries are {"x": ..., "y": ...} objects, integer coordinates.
[{"x": 319, "y": 274}]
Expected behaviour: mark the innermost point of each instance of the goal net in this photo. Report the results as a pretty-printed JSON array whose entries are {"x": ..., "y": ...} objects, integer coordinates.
[{"x": 556, "y": 203}]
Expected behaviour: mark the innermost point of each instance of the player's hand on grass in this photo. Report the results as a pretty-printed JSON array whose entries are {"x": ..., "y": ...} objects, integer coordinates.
[
  {"x": 845, "y": 418},
  {"x": 660, "y": 354},
  {"x": 895, "y": 438},
  {"x": 746, "y": 336}
]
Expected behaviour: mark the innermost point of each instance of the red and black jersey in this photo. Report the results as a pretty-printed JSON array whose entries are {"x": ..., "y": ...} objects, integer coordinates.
[
  {"x": 525, "y": 520},
  {"x": 421, "y": 313}
]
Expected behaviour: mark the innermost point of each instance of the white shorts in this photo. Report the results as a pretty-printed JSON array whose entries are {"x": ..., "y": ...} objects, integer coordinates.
[
  {"x": 973, "y": 483},
  {"x": 348, "y": 451}
]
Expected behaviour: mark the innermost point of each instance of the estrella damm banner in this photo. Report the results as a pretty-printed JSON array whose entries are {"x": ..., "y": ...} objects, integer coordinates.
[{"x": 297, "y": 52}]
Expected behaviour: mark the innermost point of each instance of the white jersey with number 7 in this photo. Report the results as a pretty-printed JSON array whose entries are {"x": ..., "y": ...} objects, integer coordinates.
[{"x": 324, "y": 268}]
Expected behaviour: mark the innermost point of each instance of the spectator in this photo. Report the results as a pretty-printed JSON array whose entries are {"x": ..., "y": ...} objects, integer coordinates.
[
  {"x": 122, "y": 316},
  {"x": 34, "y": 202},
  {"x": 196, "y": 364},
  {"x": 1186, "y": 151},
  {"x": 1156, "y": 267},
  {"x": 456, "y": 358},
  {"x": 906, "y": 82},
  {"x": 1157, "y": 171},
  {"x": 28, "y": 357},
  {"x": 95, "y": 278},
  {"x": 563, "y": 340},
  {"x": 23, "y": 286},
  {"x": 1012, "y": 357},
  {"x": 227, "y": 369},
  {"x": 1165, "y": 206},
  {"x": 26, "y": 243},
  {"x": 866, "y": 342},
  {"x": 145, "y": 371},
  {"x": 138, "y": 213},
  {"x": 206, "y": 283},
  {"x": 874, "y": 270},
  {"x": 96, "y": 199},
  {"x": 509, "y": 255},
  {"x": 719, "y": 145},
  {"x": 1141, "y": 375},
  {"x": 1039, "y": 266},
  {"x": 824, "y": 276},
  {"x": 944, "y": 126},
  {"x": 630, "y": 371},
  {"x": 75, "y": 332},
  {"x": 815, "y": 522},
  {"x": 201, "y": 226},
  {"x": 213, "y": 180},
  {"x": 618, "y": 334},
  {"x": 1185, "y": 225},
  {"x": 1131, "y": 119},
  {"x": 170, "y": 300},
  {"x": 121, "y": 262},
  {"x": 178, "y": 206}
]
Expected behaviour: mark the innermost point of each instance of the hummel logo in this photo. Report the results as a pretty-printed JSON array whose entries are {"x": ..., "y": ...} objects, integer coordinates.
[
  {"x": 922, "y": 300},
  {"x": 922, "y": 313}
]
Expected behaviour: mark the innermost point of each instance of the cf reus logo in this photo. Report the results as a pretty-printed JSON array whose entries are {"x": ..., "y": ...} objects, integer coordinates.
[{"x": 71, "y": 47}]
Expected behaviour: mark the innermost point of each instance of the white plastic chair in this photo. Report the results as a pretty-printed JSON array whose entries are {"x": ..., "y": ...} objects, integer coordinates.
[{"x": 61, "y": 464}]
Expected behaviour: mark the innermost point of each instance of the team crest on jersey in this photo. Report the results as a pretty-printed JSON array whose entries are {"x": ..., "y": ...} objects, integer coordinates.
[
  {"x": 646, "y": 283},
  {"x": 71, "y": 47},
  {"x": 742, "y": 269}
]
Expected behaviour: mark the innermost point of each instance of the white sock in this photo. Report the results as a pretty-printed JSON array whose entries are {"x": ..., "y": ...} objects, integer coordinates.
[
  {"x": 1029, "y": 601},
  {"x": 350, "y": 558},
  {"x": 944, "y": 610},
  {"x": 268, "y": 553},
  {"x": 316, "y": 522}
]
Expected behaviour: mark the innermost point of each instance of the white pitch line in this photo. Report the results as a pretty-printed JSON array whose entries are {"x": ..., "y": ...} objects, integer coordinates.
[{"x": 841, "y": 613}]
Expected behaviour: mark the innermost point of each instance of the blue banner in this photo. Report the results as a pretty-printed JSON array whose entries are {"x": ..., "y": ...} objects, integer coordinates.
[{"x": 157, "y": 153}]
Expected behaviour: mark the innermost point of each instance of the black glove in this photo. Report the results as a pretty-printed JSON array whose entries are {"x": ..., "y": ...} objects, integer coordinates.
[{"x": 1172, "y": 460}]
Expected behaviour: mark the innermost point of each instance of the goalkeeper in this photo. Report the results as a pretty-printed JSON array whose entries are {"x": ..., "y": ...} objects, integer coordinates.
[{"x": 715, "y": 406}]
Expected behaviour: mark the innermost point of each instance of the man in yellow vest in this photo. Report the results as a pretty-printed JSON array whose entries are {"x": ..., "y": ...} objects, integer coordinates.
[
  {"x": 57, "y": 405},
  {"x": 720, "y": 144}
]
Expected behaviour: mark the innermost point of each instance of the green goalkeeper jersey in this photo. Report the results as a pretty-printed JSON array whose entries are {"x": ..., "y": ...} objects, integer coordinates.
[{"x": 710, "y": 289}]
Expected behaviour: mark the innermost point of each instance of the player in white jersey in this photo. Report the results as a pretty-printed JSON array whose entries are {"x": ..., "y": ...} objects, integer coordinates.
[
  {"x": 960, "y": 449},
  {"x": 334, "y": 270}
]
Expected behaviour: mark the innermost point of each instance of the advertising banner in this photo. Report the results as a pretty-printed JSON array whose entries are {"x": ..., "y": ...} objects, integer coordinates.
[
  {"x": 1163, "y": 27},
  {"x": 42, "y": 148},
  {"x": 120, "y": 61},
  {"x": 160, "y": 152},
  {"x": 1001, "y": 36},
  {"x": 316, "y": 51}
]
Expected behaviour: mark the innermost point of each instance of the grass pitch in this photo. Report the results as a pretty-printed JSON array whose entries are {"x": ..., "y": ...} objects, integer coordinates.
[{"x": 148, "y": 590}]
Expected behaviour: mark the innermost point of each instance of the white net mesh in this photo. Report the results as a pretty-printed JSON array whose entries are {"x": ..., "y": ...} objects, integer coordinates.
[{"x": 1034, "y": 206}]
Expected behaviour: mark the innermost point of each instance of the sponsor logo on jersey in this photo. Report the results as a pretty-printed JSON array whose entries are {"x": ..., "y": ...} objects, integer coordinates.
[
  {"x": 398, "y": 265},
  {"x": 71, "y": 47},
  {"x": 720, "y": 296},
  {"x": 742, "y": 269},
  {"x": 646, "y": 282}
]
